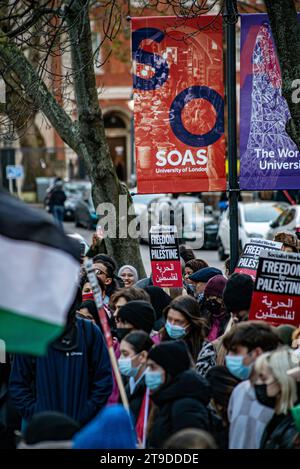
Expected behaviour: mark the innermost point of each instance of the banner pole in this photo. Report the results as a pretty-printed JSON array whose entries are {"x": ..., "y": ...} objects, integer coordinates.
[{"x": 231, "y": 17}]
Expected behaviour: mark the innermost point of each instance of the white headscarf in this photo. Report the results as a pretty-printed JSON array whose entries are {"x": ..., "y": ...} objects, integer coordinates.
[{"x": 132, "y": 269}]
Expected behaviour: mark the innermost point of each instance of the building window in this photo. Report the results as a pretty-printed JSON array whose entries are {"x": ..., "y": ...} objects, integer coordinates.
[{"x": 113, "y": 121}]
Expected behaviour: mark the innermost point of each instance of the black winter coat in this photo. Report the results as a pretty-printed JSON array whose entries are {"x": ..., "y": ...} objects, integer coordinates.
[
  {"x": 279, "y": 433},
  {"x": 181, "y": 404},
  {"x": 135, "y": 399}
]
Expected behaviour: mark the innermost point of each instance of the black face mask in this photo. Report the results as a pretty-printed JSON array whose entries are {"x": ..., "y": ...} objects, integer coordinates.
[
  {"x": 122, "y": 332},
  {"x": 262, "y": 397},
  {"x": 214, "y": 307}
]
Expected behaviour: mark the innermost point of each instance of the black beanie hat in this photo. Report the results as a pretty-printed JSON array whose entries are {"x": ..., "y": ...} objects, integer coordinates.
[
  {"x": 237, "y": 294},
  {"x": 138, "y": 313},
  {"x": 50, "y": 426},
  {"x": 173, "y": 356}
]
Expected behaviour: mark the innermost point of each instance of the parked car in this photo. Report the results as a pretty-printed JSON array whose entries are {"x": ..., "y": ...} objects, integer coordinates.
[
  {"x": 186, "y": 212},
  {"x": 288, "y": 220},
  {"x": 85, "y": 214},
  {"x": 254, "y": 222}
]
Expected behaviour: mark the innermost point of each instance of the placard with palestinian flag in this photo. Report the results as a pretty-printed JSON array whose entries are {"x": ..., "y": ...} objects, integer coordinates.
[
  {"x": 39, "y": 273},
  {"x": 276, "y": 297}
]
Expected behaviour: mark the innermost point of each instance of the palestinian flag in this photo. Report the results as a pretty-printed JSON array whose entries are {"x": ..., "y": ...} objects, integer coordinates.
[{"x": 39, "y": 271}]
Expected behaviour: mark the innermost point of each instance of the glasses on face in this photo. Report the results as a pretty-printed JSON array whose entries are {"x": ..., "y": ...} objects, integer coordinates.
[{"x": 100, "y": 272}]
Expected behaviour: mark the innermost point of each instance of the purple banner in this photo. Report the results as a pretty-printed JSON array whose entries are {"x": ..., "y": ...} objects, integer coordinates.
[{"x": 269, "y": 158}]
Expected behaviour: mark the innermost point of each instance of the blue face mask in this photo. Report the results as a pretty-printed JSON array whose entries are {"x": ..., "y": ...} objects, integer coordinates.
[
  {"x": 237, "y": 368},
  {"x": 126, "y": 368},
  {"x": 175, "y": 332},
  {"x": 153, "y": 379}
]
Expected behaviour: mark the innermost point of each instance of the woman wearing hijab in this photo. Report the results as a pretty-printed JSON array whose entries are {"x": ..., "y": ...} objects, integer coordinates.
[{"x": 129, "y": 275}]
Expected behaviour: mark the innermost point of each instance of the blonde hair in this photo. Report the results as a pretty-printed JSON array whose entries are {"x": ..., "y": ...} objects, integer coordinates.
[
  {"x": 296, "y": 334},
  {"x": 279, "y": 362}
]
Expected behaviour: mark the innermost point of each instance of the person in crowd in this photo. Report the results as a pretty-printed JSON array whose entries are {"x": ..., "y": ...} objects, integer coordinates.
[
  {"x": 135, "y": 315},
  {"x": 175, "y": 292},
  {"x": 110, "y": 429},
  {"x": 290, "y": 241},
  {"x": 57, "y": 200},
  {"x": 191, "y": 267},
  {"x": 183, "y": 322},
  {"x": 222, "y": 384},
  {"x": 105, "y": 268},
  {"x": 98, "y": 245},
  {"x": 132, "y": 364},
  {"x": 285, "y": 333},
  {"x": 180, "y": 395},
  {"x": 237, "y": 296},
  {"x": 295, "y": 339},
  {"x": 213, "y": 308},
  {"x": 129, "y": 275},
  {"x": 144, "y": 282},
  {"x": 275, "y": 389},
  {"x": 247, "y": 416},
  {"x": 238, "y": 305},
  {"x": 186, "y": 254},
  {"x": 49, "y": 430},
  {"x": 159, "y": 300},
  {"x": 86, "y": 288},
  {"x": 200, "y": 278},
  {"x": 122, "y": 296},
  {"x": 87, "y": 292},
  {"x": 88, "y": 310},
  {"x": 191, "y": 438},
  {"x": 74, "y": 377}
]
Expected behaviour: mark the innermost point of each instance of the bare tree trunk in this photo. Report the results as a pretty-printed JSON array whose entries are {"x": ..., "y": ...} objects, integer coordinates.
[
  {"x": 85, "y": 136},
  {"x": 286, "y": 33}
]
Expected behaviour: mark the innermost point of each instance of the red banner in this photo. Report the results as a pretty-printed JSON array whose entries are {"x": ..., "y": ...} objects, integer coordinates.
[{"x": 178, "y": 104}]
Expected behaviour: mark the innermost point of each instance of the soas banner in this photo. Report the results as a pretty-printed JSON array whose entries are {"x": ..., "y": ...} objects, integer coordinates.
[
  {"x": 269, "y": 158},
  {"x": 178, "y": 104}
]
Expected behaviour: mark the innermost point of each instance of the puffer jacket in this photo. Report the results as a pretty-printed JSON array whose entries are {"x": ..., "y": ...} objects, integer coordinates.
[{"x": 181, "y": 404}]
